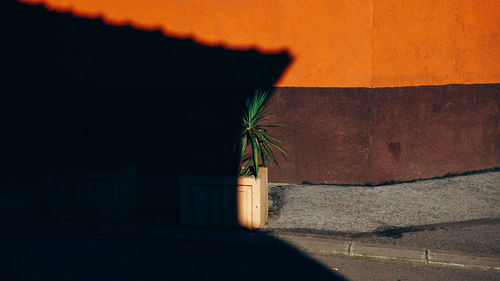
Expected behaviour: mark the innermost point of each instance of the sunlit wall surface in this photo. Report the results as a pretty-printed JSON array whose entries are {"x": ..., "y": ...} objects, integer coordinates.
[{"x": 358, "y": 43}]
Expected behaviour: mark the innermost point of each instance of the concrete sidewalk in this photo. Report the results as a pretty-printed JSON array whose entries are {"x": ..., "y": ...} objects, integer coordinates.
[
  {"x": 313, "y": 244},
  {"x": 455, "y": 218},
  {"x": 449, "y": 221},
  {"x": 452, "y": 245}
]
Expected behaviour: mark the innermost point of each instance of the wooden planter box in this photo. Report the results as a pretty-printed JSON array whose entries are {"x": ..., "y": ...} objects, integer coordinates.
[
  {"x": 224, "y": 201},
  {"x": 92, "y": 195}
]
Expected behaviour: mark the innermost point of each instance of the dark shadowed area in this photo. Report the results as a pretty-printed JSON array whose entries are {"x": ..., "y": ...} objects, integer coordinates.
[
  {"x": 80, "y": 93},
  {"x": 83, "y": 99},
  {"x": 76, "y": 252}
]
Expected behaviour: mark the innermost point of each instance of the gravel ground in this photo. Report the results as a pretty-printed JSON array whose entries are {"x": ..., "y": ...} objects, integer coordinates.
[{"x": 358, "y": 209}]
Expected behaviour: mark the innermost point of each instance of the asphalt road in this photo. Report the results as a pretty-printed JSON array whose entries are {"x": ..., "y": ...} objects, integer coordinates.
[
  {"x": 82, "y": 253},
  {"x": 31, "y": 254},
  {"x": 358, "y": 268}
]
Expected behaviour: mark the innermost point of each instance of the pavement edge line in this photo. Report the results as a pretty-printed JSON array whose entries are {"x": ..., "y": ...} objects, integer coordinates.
[
  {"x": 427, "y": 256},
  {"x": 314, "y": 245}
]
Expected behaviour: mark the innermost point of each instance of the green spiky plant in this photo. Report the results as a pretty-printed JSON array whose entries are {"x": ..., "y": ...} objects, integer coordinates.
[{"x": 254, "y": 135}]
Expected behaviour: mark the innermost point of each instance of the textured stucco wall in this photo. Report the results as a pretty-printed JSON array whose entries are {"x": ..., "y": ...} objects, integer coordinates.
[
  {"x": 334, "y": 43},
  {"x": 363, "y": 135}
]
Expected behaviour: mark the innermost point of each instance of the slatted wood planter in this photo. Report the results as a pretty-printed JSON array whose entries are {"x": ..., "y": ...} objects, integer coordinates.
[
  {"x": 92, "y": 195},
  {"x": 224, "y": 201}
]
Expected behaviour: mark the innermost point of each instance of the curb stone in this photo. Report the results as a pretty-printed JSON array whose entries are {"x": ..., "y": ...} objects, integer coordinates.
[
  {"x": 444, "y": 257},
  {"x": 358, "y": 249},
  {"x": 314, "y": 245},
  {"x": 310, "y": 245}
]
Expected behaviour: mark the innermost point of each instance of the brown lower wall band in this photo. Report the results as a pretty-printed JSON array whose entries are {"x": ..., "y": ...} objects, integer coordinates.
[{"x": 376, "y": 135}]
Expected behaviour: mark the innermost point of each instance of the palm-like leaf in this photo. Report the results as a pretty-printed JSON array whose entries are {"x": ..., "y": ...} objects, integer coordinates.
[{"x": 255, "y": 134}]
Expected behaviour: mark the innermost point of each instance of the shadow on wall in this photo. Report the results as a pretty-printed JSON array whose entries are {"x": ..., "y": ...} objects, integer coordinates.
[{"x": 77, "y": 93}]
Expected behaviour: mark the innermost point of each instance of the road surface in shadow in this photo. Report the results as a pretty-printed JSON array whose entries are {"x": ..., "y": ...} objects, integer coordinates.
[{"x": 79, "y": 252}]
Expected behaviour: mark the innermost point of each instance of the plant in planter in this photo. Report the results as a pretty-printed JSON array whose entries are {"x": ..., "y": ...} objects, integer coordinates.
[
  {"x": 255, "y": 136},
  {"x": 236, "y": 200}
]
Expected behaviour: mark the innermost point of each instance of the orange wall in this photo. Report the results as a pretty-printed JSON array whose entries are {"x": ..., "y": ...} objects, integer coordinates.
[{"x": 334, "y": 43}]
